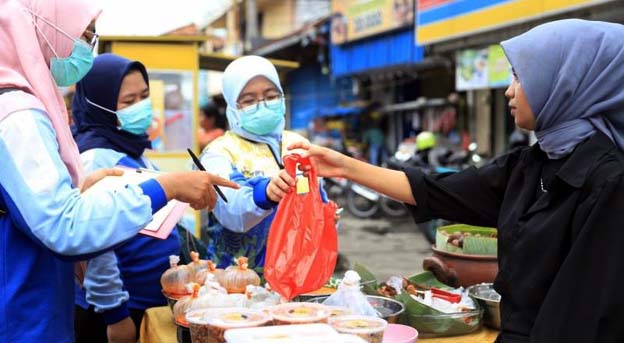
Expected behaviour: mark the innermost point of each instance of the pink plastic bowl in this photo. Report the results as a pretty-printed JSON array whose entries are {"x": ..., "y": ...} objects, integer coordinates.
[{"x": 397, "y": 333}]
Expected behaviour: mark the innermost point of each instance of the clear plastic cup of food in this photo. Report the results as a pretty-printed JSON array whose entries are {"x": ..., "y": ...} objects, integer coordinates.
[
  {"x": 371, "y": 329},
  {"x": 209, "y": 325},
  {"x": 299, "y": 313},
  {"x": 336, "y": 311}
]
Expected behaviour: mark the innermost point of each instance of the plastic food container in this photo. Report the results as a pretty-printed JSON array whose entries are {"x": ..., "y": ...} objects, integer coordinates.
[
  {"x": 308, "y": 333},
  {"x": 371, "y": 329},
  {"x": 299, "y": 313},
  {"x": 389, "y": 309},
  {"x": 210, "y": 325},
  {"x": 335, "y": 311}
]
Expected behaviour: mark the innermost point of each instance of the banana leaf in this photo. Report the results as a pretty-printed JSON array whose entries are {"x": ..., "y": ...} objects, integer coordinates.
[
  {"x": 483, "y": 244},
  {"x": 431, "y": 322},
  {"x": 427, "y": 280},
  {"x": 367, "y": 279},
  {"x": 427, "y": 320}
]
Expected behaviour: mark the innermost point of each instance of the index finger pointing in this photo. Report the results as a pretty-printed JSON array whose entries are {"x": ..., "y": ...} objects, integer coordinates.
[{"x": 218, "y": 180}]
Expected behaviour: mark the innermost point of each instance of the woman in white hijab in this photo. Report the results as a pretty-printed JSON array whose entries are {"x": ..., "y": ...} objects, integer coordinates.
[{"x": 250, "y": 153}]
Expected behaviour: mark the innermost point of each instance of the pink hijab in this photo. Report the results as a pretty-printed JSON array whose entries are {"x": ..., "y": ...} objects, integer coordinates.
[{"x": 25, "y": 59}]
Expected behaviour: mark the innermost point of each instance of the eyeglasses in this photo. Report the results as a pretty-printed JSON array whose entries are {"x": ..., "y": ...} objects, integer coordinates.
[
  {"x": 251, "y": 106},
  {"x": 91, "y": 38}
]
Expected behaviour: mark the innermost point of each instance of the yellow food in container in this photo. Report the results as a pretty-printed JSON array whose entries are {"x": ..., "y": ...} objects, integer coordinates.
[
  {"x": 209, "y": 325},
  {"x": 299, "y": 313}
]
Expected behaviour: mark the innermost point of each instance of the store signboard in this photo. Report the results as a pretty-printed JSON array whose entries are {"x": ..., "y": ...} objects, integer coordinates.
[
  {"x": 499, "y": 74},
  {"x": 481, "y": 68},
  {"x": 439, "y": 20},
  {"x": 355, "y": 19}
]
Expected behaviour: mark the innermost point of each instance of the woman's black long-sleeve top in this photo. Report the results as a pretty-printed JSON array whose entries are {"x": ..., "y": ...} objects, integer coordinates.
[{"x": 560, "y": 246}]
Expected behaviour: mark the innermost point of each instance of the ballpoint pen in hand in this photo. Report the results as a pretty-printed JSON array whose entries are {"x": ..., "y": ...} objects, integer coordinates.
[{"x": 200, "y": 166}]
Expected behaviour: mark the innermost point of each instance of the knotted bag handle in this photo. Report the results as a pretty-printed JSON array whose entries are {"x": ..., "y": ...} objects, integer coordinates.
[{"x": 290, "y": 164}]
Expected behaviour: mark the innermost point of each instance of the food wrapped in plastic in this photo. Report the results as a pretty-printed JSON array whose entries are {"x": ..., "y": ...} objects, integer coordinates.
[
  {"x": 196, "y": 263},
  {"x": 174, "y": 279},
  {"x": 186, "y": 304},
  {"x": 236, "y": 278},
  {"x": 350, "y": 296},
  {"x": 210, "y": 325},
  {"x": 371, "y": 329},
  {"x": 260, "y": 297},
  {"x": 299, "y": 313},
  {"x": 212, "y": 287},
  {"x": 212, "y": 269}
]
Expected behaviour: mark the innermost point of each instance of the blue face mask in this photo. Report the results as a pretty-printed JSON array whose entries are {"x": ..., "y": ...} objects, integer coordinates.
[
  {"x": 264, "y": 120},
  {"x": 69, "y": 70},
  {"x": 137, "y": 118}
]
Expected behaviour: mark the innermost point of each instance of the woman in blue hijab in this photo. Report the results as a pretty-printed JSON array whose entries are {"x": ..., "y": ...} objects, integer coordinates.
[
  {"x": 559, "y": 204},
  {"x": 112, "y": 110}
]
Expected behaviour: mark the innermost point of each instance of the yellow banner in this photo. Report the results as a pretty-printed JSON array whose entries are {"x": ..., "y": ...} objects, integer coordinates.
[{"x": 355, "y": 19}]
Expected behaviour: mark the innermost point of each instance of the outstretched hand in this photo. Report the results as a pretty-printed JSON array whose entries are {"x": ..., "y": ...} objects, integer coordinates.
[
  {"x": 327, "y": 162},
  {"x": 194, "y": 187}
]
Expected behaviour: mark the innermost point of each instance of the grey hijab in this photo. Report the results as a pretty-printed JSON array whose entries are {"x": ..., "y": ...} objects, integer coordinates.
[{"x": 572, "y": 72}]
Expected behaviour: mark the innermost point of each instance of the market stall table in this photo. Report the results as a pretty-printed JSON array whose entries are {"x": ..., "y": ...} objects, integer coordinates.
[{"x": 158, "y": 327}]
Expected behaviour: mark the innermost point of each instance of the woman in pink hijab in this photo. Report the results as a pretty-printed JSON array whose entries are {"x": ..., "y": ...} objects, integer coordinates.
[{"x": 45, "y": 222}]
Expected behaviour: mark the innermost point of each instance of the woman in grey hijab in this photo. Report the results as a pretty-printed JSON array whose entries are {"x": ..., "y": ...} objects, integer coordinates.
[{"x": 559, "y": 204}]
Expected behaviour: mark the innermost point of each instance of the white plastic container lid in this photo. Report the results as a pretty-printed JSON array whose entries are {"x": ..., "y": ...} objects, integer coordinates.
[
  {"x": 227, "y": 318},
  {"x": 306, "y": 333},
  {"x": 299, "y": 313}
]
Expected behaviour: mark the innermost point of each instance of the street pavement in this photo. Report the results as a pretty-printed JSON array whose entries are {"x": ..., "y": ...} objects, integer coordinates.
[{"x": 386, "y": 247}]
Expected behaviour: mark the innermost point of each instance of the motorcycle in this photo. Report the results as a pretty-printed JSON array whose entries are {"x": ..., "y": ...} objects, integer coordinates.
[
  {"x": 436, "y": 160},
  {"x": 363, "y": 202}
]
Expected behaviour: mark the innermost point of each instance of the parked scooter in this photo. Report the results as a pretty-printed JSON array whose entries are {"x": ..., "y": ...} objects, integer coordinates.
[{"x": 429, "y": 158}]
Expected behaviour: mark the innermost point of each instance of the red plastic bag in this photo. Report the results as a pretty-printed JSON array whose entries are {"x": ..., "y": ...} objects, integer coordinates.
[{"x": 302, "y": 246}]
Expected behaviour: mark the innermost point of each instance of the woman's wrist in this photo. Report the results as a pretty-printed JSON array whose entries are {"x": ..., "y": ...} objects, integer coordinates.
[
  {"x": 349, "y": 166},
  {"x": 165, "y": 182}
]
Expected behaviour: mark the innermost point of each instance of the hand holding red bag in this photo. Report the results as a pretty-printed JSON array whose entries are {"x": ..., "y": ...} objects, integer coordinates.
[{"x": 302, "y": 246}]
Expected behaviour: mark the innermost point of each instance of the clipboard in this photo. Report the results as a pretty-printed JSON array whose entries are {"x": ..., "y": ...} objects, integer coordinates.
[{"x": 163, "y": 221}]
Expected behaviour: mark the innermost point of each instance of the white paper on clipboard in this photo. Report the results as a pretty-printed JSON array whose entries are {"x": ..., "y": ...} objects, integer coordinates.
[{"x": 163, "y": 221}]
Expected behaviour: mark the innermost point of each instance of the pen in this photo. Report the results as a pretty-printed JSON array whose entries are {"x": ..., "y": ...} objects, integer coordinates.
[{"x": 201, "y": 167}]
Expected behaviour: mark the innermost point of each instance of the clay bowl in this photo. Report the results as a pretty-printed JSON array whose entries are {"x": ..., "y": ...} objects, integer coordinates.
[{"x": 463, "y": 270}]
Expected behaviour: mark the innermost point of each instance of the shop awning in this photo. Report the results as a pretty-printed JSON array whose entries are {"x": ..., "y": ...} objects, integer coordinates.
[{"x": 394, "y": 48}]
